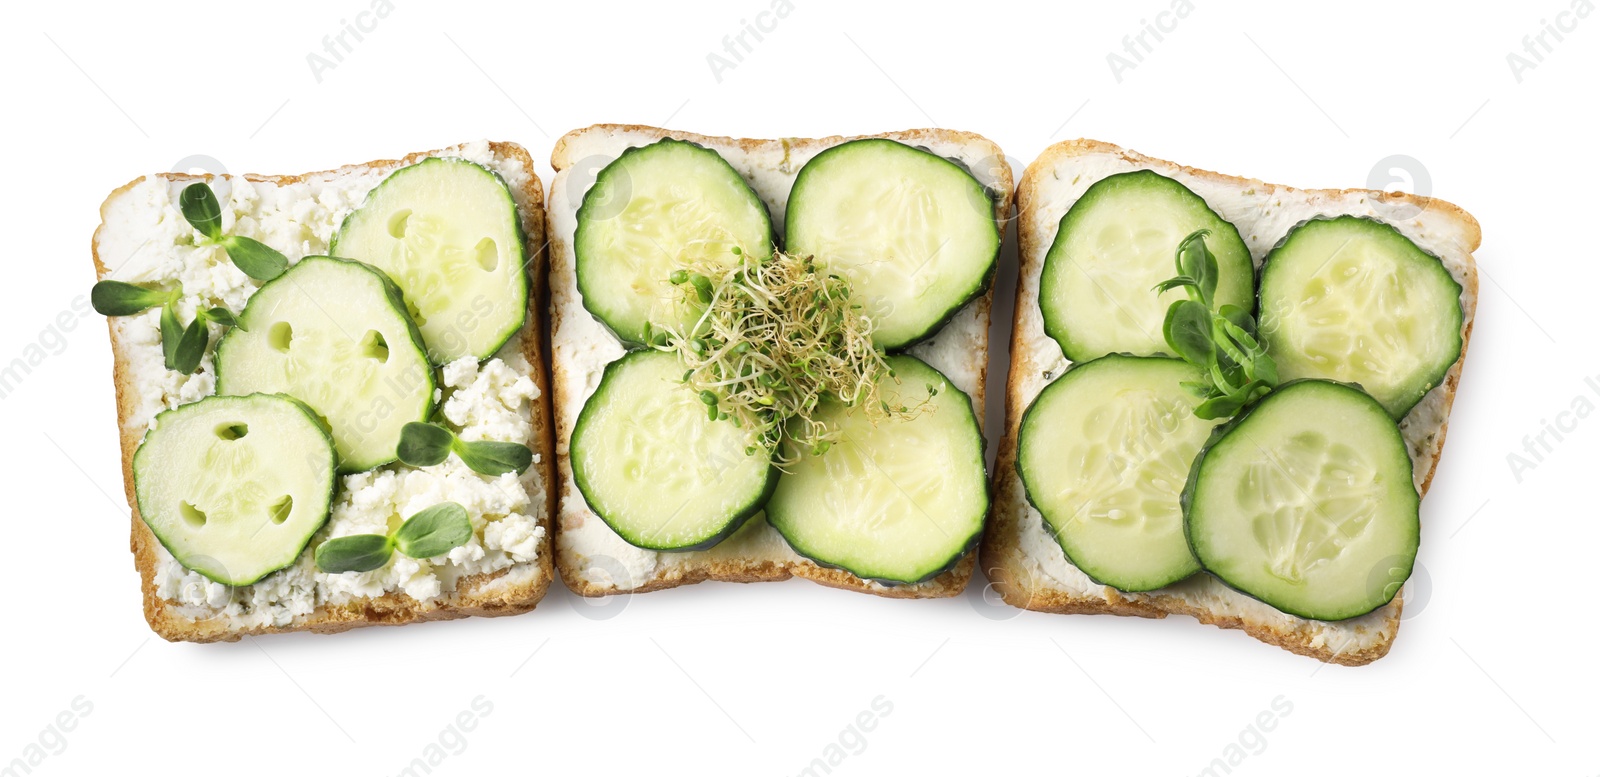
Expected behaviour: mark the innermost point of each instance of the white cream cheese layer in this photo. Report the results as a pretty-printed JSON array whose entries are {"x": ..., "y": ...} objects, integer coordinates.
[
  {"x": 146, "y": 240},
  {"x": 1264, "y": 214},
  {"x": 582, "y": 347}
]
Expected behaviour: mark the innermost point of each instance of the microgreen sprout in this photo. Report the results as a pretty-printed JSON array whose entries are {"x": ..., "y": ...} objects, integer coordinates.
[
  {"x": 254, "y": 258},
  {"x": 432, "y": 532},
  {"x": 425, "y": 444},
  {"x": 776, "y": 338},
  {"x": 181, "y": 346},
  {"x": 1220, "y": 341}
]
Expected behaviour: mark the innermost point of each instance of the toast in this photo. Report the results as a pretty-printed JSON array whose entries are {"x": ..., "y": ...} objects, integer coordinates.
[
  {"x": 1026, "y": 565},
  {"x": 594, "y": 560},
  {"x": 139, "y": 240}
]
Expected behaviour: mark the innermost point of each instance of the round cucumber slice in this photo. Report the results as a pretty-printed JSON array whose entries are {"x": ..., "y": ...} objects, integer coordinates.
[
  {"x": 914, "y": 232},
  {"x": 1306, "y": 502},
  {"x": 651, "y": 212},
  {"x": 446, "y": 231},
  {"x": 1096, "y": 290},
  {"x": 1104, "y": 453},
  {"x": 1351, "y": 299},
  {"x": 234, "y": 487},
  {"x": 335, "y": 335},
  {"x": 897, "y": 501},
  {"x": 654, "y": 466}
]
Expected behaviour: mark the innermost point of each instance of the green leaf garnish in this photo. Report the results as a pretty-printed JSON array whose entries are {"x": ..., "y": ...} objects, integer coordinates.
[
  {"x": 1188, "y": 330},
  {"x": 223, "y": 317},
  {"x": 355, "y": 553},
  {"x": 171, "y": 335},
  {"x": 1221, "y": 342},
  {"x": 1196, "y": 262},
  {"x": 115, "y": 298},
  {"x": 494, "y": 458},
  {"x": 424, "y": 445},
  {"x": 191, "y": 347},
  {"x": 183, "y": 347},
  {"x": 199, "y": 206},
  {"x": 434, "y": 531},
  {"x": 255, "y": 258}
]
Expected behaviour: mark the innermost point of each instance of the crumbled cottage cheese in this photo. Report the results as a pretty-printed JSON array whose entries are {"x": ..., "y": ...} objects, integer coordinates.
[{"x": 147, "y": 241}]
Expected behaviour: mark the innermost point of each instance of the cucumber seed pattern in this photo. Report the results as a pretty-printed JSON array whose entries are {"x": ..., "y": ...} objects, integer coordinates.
[
  {"x": 1354, "y": 288},
  {"x": 891, "y": 252},
  {"x": 874, "y": 483},
  {"x": 1123, "y": 261},
  {"x": 670, "y": 227},
  {"x": 1126, "y": 471},
  {"x": 1307, "y": 502},
  {"x": 663, "y": 441},
  {"x": 430, "y": 259}
]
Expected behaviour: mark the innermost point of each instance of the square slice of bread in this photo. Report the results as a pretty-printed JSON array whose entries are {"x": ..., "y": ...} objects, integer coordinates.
[
  {"x": 1024, "y": 561},
  {"x": 593, "y": 560},
  {"x": 140, "y": 239}
]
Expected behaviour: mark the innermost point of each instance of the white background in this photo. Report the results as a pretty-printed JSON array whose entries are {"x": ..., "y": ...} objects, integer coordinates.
[{"x": 1493, "y": 671}]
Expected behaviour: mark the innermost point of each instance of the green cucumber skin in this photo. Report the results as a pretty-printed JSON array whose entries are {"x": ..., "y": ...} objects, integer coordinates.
[
  {"x": 955, "y": 559},
  {"x": 984, "y": 282},
  {"x": 1187, "y": 498},
  {"x": 333, "y": 488},
  {"x": 524, "y": 288},
  {"x": 966, "y": 547},
  {"x": 1460, "y": 316},
  {"x": 396, "y": 298},
  {"x": 1058, "y": 335},
  {"x": 734, "y": 523},
  {"x": 629, "y": 340},
  {"x": 996, "y": 196},
  {"x": 1183, "y": 500}
]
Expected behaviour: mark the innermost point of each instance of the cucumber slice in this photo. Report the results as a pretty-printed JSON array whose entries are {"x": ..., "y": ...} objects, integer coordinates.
[
  {"x": 897, "y": 501},
  {"x": 1104, "y": 453},
  {"x": 654, "y": 466},
  {"x": 649, "y": 213},
  {"x": 1306, "y": 503},
  {"x": 234, "y": 487},
  {"x": 1114, "y": 245},
  {"x": 914, "y": 232},
  {"x": 446, "y": 231},
  {"x": 335, "y": 335},
  {"x": 1351, "y": 299}
]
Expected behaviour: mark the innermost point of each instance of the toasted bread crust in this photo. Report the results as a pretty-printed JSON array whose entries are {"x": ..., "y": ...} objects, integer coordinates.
[
  {"x": 1002, "y": 556},
  {"x": 478, "y": 595},
  {"x": 753, "y": 570}
]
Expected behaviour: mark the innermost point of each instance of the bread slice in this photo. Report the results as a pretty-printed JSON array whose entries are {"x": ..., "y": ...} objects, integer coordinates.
[
  {"x": 131, "y": 232},
  {"x": 595, "y": 561},
  {"x": 1025, "y": 563}
]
